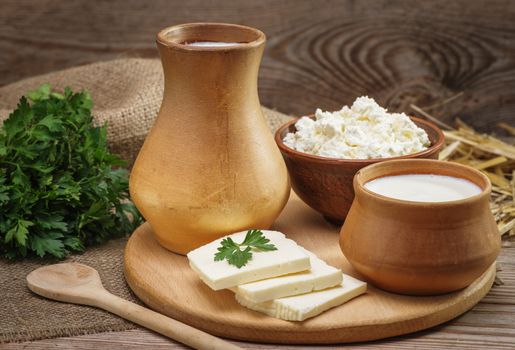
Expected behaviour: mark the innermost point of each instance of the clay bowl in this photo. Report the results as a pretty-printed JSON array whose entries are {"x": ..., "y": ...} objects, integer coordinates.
[
  {"x": 325, "y": 184},
  {"x": 420, "y": 248}
]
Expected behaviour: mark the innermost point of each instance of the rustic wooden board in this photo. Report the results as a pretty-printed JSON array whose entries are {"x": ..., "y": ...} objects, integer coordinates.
[
  {"x": 319, "y": 53},
  {"x": 165, "y": 282}
]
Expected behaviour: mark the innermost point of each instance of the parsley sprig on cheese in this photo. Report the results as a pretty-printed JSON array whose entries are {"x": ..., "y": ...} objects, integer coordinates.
[{"x": 238, "y": 254}]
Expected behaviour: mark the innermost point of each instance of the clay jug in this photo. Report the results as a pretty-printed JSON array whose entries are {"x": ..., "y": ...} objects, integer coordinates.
[
  {"x": 420, "y": 248},
  {"x": 209, "y": 165}
]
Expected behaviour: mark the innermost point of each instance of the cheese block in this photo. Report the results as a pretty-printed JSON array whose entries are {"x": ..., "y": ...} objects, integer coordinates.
[
  {"x": 304, "y": 306},
  {"x": 288, "y": 258},
  {"x": 320, "y": 276}
]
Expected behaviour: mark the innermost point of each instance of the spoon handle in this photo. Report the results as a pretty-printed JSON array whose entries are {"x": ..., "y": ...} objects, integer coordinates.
[{"x": 159, "y": 323}]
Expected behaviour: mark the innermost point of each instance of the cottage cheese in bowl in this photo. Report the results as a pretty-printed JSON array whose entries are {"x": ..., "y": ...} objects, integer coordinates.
[{"x": 363, "y": 131}]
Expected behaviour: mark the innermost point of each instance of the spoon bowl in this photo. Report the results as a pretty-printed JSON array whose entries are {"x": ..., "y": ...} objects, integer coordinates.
[{"x": 66, "y": 282}]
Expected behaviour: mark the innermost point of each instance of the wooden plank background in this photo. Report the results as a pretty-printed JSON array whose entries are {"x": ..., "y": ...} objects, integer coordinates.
[{"x": 319, "y": 53}]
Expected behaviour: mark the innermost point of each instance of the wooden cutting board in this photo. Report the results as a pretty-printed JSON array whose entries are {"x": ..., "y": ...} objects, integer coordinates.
[{"x": 164, "y": 281}]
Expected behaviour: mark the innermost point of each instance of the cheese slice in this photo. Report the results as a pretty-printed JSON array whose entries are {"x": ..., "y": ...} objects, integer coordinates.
[
  {"x": 320, "y": 276},
  {"x": 304, "y": 306},
  {"x": 288, "y": 258}
]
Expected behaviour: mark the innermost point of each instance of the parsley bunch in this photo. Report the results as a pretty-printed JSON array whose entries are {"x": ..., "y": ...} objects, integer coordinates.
[
  {"x": 232, "y": 252},
  {"x": 60, "y": 187}
]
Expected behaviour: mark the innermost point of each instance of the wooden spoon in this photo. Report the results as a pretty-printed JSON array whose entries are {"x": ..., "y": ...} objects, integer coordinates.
[{"x": 80, "y": 284}]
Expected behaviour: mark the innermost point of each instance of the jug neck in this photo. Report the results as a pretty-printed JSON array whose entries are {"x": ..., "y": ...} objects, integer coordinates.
[{"x": 215, "y": 74}]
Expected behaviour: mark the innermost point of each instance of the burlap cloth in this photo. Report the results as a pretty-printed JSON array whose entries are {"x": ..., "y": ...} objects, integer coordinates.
[{"x": 127, "y": 94}]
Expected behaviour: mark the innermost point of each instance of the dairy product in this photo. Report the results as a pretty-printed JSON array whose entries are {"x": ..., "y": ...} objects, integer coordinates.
[
  {"x": 211, "y": 43},
  {"x": 320, "y": 276},
  {"x": 363, "y": 131},
  {"x": 288, "y": 258},
  {"x": 301, "y": 307},
  {"x": 423, "y": 187}
]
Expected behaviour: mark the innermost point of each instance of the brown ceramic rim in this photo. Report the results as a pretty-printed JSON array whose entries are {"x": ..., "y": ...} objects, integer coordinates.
[
  {"x": 163, "y": 37},
  {"x": 486, "y": 186},
  {"x": 437, "y": 145}
]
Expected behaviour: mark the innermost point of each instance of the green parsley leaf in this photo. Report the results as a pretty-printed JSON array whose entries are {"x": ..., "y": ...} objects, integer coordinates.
[
  {"x": 61, "y": 189},
  {"x": 52, "y": 123},
  {"x": 51, "y": 244},
  {"x": 256, "y": 239},
  {"x": 240, "y": 257},
  {"x": 232, "y": 252},
  {"x": 19, "y": 232}
]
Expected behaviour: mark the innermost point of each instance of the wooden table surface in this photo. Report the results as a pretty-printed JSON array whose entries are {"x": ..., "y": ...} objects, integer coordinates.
[
  {"x": 319, "y": 54},
  {"x": 489, "y": 325}
]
